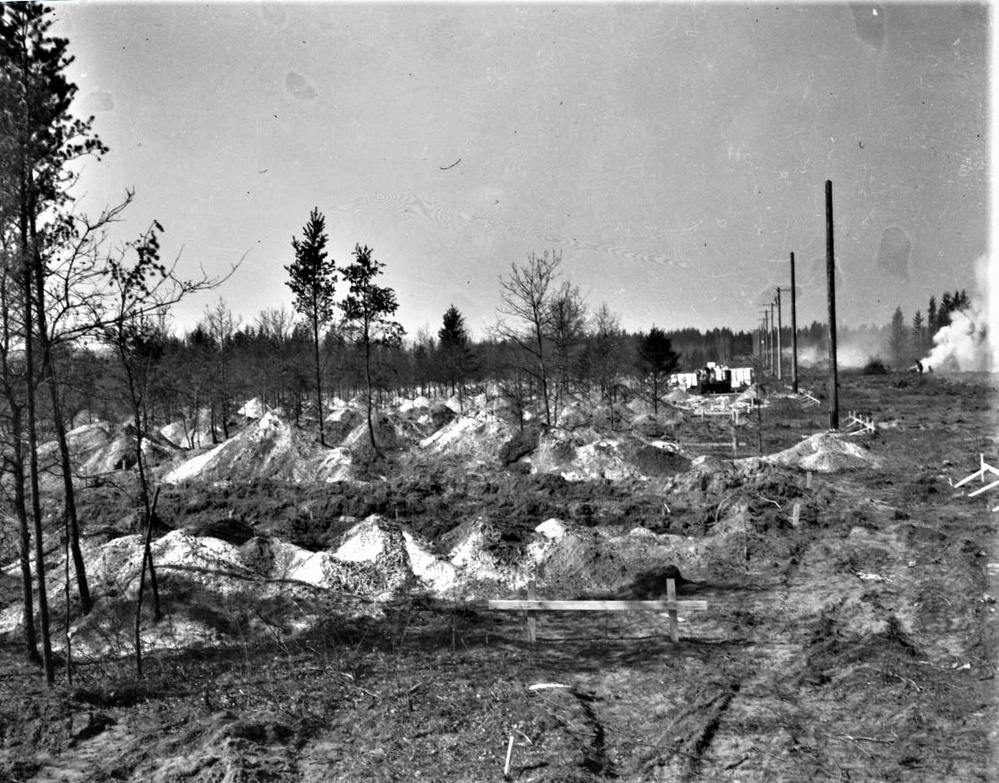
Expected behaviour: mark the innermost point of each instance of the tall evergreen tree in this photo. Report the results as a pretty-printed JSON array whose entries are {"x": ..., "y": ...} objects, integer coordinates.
[
  {"x": 367, "y": 311},
  {"x": 898, "y": 338},
  {"x": 455, "y": 357},
  {"x": 918, "y": 335},
  {"x": 656, "y": 361},
  {"x": 313, "y": 281}
]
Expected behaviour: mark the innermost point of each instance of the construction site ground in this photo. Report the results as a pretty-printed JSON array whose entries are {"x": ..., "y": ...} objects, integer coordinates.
[{"x": 850, "y": 632}]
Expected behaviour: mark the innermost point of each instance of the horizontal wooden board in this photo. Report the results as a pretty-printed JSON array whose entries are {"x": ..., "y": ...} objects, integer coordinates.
[{"x": 599, "y": 606}]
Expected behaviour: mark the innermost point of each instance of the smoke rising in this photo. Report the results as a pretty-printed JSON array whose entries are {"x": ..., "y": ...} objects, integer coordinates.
[{"x": 964, "y": 345}]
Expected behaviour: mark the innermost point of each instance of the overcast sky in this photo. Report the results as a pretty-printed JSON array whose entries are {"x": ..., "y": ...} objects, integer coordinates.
[{"x": 674, "y": 154}]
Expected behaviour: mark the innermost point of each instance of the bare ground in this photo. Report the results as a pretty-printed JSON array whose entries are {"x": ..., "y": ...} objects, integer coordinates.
[{"x": 852, "y": 640}]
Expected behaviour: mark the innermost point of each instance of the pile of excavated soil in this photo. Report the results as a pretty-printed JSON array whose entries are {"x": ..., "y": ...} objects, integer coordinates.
[
  {"x": 83, "y": 442},
  {"x": 120, "y": 453},
  {"x": 190, "y": 433},
  {"x": 825, "y": 452},
  {"x": 268, "y": 448},
  {"x": 587, "y": 455},
  {"x": 478, "y": 437}
]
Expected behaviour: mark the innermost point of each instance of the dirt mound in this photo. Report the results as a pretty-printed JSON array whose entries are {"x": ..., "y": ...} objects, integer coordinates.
[
  {"x": 268, "y": 448},
  {"x": 83, "y": 442},
  {"x": 478, "y": 437},
  {"x": 575, "y": 414},
  {"x": 648, "y": 425},
  {"x": 414, "y": 408},
  {"x": 254, "y": 409},
  {"x": 611, "y": 417},
  {"x": 342, "y": 422},
  {"x": 582, "y": 456},
  {"x": 824, "y": 452},
  {"x": 120, "y": 453},
  {"x": 634, "y": 565},
  {"x": 190, "y": 432},
  {"x": 401, "y": 558},
  {"x": 585, "y": 455}
]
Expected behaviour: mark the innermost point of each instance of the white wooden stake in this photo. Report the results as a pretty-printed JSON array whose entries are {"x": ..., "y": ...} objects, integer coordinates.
[{"x": 509, "y": 755}]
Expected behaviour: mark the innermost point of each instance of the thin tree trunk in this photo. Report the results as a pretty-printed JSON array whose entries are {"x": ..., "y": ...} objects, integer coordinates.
[
  {"x": 319, "y": 382},
  {"x": 20, "y": 500},
  {"x": 24, "y": 541},
  {"x": 72, "y": 518},
  {"x": 367, "y": 379},
  {"x": 69, "y": 638},
  {"x": 49, "y": 376},
  {"x": 32, "y": 428},
  {"x": 147, "y": 507}
]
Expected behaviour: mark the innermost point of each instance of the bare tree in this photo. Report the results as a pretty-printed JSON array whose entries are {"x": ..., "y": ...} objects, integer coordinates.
[
  {"x": 220, "y": 325},
  {"x": 567, "y": 322},
  {"x": 604, "y": 357},
  {"x": 129, "y": 313},
  {"x": 527, "y": 294}
]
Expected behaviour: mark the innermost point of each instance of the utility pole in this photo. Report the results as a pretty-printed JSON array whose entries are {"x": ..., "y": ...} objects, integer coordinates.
[
  {"x": 773, "y": 342},
  {"x": 780, "y": 353},
  {"x": 831, "y": 295},
  {"x": 766, "y": 340},
  {"x": 794, "y": 332},
  {"x": 762, "y": 343}
]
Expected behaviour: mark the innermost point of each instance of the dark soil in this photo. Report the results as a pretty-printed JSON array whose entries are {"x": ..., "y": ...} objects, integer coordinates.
[{"x": 850, "y": 631}]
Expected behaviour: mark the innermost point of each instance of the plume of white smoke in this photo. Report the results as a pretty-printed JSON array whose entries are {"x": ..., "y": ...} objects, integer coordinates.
[{"x": 967, "y": 343}]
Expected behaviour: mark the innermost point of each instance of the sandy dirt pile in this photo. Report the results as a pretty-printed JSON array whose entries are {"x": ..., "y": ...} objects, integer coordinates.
[
  {"x": 120, "y": 453},
  {"x": 194, "y": 432},
  {"x": 825, "y": 452},
  {"x": 84, "y": 443},
  {"x": 267, "y": 448},
  {"x": 477, "y": 437}
]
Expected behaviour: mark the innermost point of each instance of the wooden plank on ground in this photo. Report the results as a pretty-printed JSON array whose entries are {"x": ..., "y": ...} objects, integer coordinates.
[
  {"x": 543, "y": 605},
  {"x": 532, "y": 622},
  {"x": 674, "y": 628}
]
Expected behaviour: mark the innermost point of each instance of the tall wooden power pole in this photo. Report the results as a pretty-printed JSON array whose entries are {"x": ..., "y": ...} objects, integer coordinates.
[
  {"x": 794, "y": 332},
  {"x": 831, "y": 295},
  {"x": 780, "y": 353}
]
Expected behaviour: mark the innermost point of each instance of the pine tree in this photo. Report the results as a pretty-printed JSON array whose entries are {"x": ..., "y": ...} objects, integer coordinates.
[
  {"x": 313, "y": 281},
  {"x": 918, "y": 335},
  {"x": 898, "y": 339},
  {"x": 656, "y": 361},
  {"x": 367, "y": 311},
  {"x": 455, "y": 358}
]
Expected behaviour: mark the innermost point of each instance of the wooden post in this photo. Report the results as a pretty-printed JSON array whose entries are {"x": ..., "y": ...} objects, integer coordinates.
[
  {"x": 759, "y": 425},
  {"x": 762, "y": 341},
  {"x": 674, "y": 628},
  {"x": 794, "y": 332},
  {"x": 509, "y": 756},
  {"x": 780, "y": 325},
  {"x": 773, "y": 340},
  {"x": 831, "y": 295},
  {"x": 766, "y": 326},
  {"x": 532, "y": 623}
]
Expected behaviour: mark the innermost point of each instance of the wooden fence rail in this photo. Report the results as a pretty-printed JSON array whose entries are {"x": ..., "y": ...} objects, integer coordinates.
[
  {"x": 984, "y": 470},
  {"x": 859, "y": 425},
  {"x": 532, "y": 605}
]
